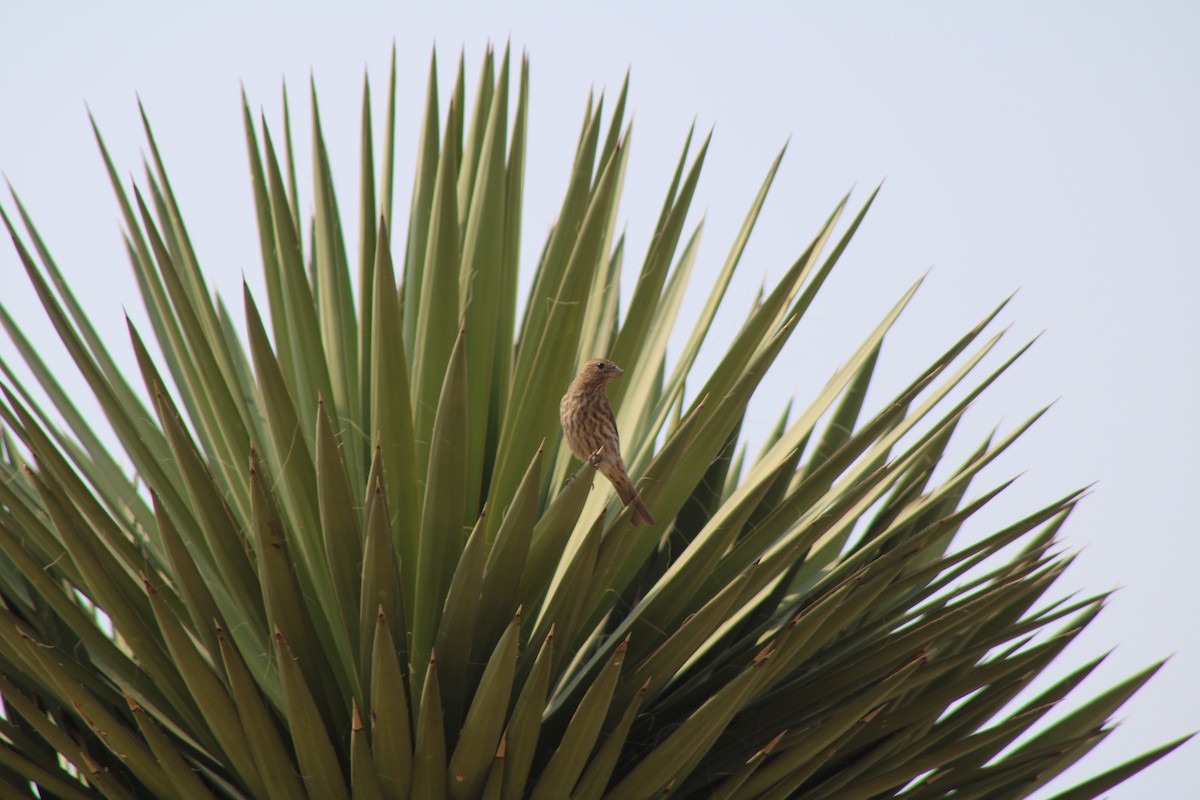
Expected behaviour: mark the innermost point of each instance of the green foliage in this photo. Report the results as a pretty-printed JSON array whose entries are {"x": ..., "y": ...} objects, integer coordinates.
[{"x": 353, "y": 557}]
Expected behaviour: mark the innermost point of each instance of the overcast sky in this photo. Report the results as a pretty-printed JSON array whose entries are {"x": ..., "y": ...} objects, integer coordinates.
[{"x": 1050, "y": 148}]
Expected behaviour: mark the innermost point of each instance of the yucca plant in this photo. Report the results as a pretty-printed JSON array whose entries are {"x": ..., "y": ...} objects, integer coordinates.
[{"x": 343, "y": 552}]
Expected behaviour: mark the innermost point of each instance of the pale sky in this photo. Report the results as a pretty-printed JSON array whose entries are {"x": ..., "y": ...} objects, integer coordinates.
[{"x": 1050, "y": 148}]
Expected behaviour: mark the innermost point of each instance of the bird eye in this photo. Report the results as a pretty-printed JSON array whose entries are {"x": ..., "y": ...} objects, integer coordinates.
[{"x": 600, "y": 366}]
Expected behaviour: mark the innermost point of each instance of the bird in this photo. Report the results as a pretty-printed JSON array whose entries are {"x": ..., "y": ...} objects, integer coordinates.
[{"x": 591, "y": 431}]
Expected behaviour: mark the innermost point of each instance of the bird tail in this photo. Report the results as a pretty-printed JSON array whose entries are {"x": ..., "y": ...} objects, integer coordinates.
[{"x": 630, "y": 498}]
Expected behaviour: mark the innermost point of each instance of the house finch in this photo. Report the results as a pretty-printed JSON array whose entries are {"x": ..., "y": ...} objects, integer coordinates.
[{"x": 591, "y": 430}]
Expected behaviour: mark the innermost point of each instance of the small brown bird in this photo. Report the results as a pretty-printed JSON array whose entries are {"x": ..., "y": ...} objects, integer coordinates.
[{"x": 591, "y": 430}]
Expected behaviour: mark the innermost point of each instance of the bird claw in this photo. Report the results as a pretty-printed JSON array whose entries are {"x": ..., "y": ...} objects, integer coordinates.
[{"x": 596, "y": 456}]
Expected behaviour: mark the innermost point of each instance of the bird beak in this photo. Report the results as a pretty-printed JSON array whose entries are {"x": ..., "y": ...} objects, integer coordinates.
[{"x": 620, "y": 371}]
